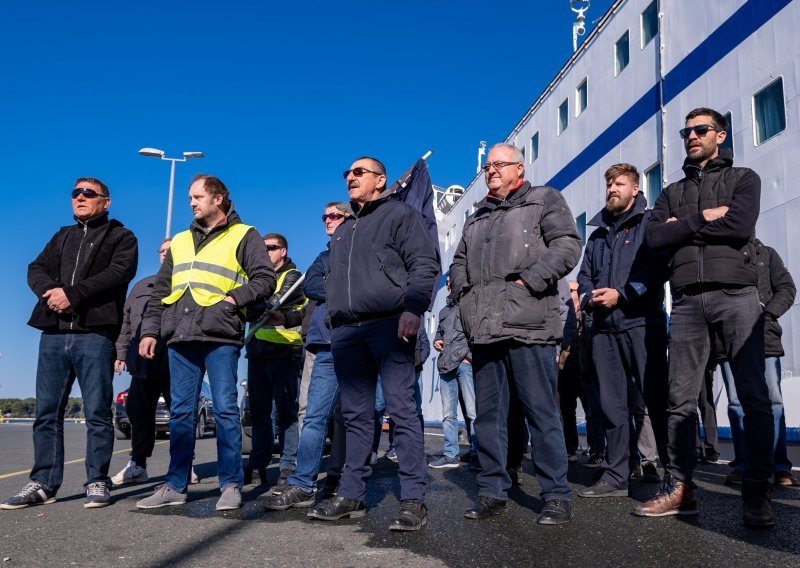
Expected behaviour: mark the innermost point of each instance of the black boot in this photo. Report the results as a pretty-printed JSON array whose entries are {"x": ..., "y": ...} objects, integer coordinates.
[
  {"x": 412, "y": 516},
  {"x": 486, "y": 507},
  {"x": 757, "y": 505},
  {"x": 337, "y": 508}
]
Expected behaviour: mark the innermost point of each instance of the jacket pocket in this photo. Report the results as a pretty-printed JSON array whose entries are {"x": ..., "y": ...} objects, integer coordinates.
[
  {"x": 223, "y": 319},
  {"x": 521, "y": 309},
  {"x": 169, "y": 321},
  {"x": 467, "y": 306}
]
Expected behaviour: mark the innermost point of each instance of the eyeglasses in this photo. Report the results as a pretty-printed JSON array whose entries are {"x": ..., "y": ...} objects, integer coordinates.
[
  {"x": 331, "y": 216},
  {"x": 273, "y": 247},
  {"x": 86, "y": 192},
  {"x": 701, "y": 130},
  {"x": 496, "y": 165},
  {"x": 358, "y": 172}
]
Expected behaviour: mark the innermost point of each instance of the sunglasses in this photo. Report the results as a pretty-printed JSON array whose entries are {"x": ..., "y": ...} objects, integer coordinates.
[
  {"x": 358, "y": 172},
  {"x": 86, "y": 192},
  {"x": 273, "y": 247},
  {"x": 701, "y": 130},
  {"x": 331, "y": 216},
  {"x": 497, "y": 165}
]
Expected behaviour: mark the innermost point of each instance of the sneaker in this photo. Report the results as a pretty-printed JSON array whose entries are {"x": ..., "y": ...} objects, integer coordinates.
[
  {"x": 231, "y": 499},
  {"x": 672, "y": 499},
  {"x": 131, "y": 473},
  {"x": 291, "y": 497},
  {"x": 734, "y": 477},
  {"x": 603, "y": 489},
  {"x": 282, "y": 484},
  {"x": 391, "y": 455},
  {"x": 572, "y": 457},
  {"x": 556, "y": 512},
  {"x": 34, "y": 493},
  {"x": 594, "y": 461},
  {"x": 163, "y": 496},
  {"x": 97, "y": 496},
  {"x": 444, "y": 462},
  {"x": 193, "y": 479}
]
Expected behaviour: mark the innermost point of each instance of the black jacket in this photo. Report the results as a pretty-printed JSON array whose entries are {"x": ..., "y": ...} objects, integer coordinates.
[
  {"x": 530, "y": 236},
  {"x": 617, "y": 257},
  {"x": 258, "y": 349},
  {"x": 455, "y": 347},
  {"x": 103, "y": 255},
  {"x": 715, "y": 254},
  {"x": 128, "y": 342},
  {"x": 223, "y": 322},
  {"x": 777, "y": 291},
  {"x": 383, "y": 262}
]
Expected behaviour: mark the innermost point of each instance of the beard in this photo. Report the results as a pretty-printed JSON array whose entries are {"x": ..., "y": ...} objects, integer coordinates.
[{"x": 617, "y": 204}]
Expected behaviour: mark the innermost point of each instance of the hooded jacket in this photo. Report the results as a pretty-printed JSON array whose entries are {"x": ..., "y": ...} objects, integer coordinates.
[
  {"x": 617, "y": 257},
  {"x": 223, "y": 322},
  {"x": 714, "y": 254},
  {"x": 93, "y": 262},
  {"x": 455, "y": 347},
  {"x": 530, "y": 236},
  {"x": 777, "y": 291}
]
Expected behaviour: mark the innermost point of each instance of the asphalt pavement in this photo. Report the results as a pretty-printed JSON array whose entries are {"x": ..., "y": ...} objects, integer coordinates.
[{"x": 604, "y": 533}]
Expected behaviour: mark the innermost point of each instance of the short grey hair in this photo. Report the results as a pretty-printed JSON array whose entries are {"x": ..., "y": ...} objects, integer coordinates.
[{"x": 518, "y": 155}]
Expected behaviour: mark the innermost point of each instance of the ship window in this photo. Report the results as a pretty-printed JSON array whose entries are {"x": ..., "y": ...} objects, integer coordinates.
[
  {"x": 622, "y": 54},
  {"x": 728, "y": 143},
  {"x": 563, "y": 116},
  {"x": 769, "y": 112},
  {"x": 581, "y": 97},
  {"x": 652, "y": 184},
  {"x": 534, "y": 147},
  {"x": 580, "y": 221},
  {"x": 649, "y": 23}
]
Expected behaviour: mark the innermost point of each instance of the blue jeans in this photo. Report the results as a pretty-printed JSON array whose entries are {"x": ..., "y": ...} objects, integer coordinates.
[
  {"x": 323, "y": 391},
  {"x": 736, "y": 415},
  {"x": 274, "y": 386},
  {"x": 737, "y": 317},
  {"x": 62, "y": 357},
  {"x": 527, "y": 372},
  {"x": 449, "y": 385},
  {"x": 188, "y": 363}
]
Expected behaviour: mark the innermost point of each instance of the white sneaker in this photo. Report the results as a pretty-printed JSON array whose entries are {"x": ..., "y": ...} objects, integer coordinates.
[
  {"x": 193, "y": 479},
  {"x": 131, "y": 473}
]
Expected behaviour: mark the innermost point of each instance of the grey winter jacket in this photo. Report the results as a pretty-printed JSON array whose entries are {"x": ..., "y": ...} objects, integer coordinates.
[
  {"x": 455, "y": 346},
  {"x": 530, "y": 236}
]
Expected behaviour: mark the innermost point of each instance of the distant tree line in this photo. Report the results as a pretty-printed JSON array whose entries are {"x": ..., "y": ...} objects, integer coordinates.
[{"x": 26, "y": 407}]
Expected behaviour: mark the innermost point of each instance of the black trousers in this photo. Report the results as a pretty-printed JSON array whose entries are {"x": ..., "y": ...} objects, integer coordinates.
[
  {"x": 570, "y": 390},
  {"x": 336, "y": 457},
  {"x": 141, "y": 409},
  {"x": 708, "y": 415}
]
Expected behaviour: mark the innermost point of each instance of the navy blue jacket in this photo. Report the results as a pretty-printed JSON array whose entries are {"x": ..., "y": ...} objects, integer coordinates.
[
  {"x": 617, "y": 257},
  {"x": 319, "y": 331},
  {"x": 383, "y": 262}
]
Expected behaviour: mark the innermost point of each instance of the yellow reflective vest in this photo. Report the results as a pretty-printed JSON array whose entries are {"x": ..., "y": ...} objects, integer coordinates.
[
  {"x": 280, "y": 334},
  {"x": 209, "y": 273}
]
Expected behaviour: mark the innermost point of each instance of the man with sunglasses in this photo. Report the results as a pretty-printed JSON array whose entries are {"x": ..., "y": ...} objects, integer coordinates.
[
  {"x": 707, "y": 223},
  {"x": 383, "y": 264},
  {"x": 212, "y": 272},
  {"x": 80, "y": 279},
  {"x": 274, "y": 365},
  {"x": 514, "y": 249}
]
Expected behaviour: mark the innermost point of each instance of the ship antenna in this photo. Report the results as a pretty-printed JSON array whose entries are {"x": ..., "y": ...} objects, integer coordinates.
[{"x": 579, "y": 26}]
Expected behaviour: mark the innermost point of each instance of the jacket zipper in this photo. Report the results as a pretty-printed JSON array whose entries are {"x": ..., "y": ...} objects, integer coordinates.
[
  {"x": 699, "y": 248},
  {"x": 75, "y": 270},
  {"x": 349, "y": 262}
]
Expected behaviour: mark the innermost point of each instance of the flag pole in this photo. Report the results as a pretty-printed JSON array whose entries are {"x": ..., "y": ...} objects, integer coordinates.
[{"x": 263, "y": 320}]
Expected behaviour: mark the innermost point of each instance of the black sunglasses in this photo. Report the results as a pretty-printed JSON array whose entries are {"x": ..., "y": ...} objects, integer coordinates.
[
  {"x": 700, "y": 129},
  {"x": 86, "y": 192},
  {"x": 331, "y": 216},
  {"x": 273, "y": 247},
  {"x": 358, "y": 172}
]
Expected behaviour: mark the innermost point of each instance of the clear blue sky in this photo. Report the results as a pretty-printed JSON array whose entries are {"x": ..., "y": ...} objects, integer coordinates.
[{"x": 280, "y": 99}]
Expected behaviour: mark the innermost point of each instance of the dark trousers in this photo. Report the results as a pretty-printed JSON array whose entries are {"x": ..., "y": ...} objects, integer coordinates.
[
  {"x": 337, "y": 455},
  {"x": 631, "y": 368},
  {"x": 708, "y": 415},
  {"x": 594, "y": 413},
  {"x": 141, "y": 409},
  {"x": 360, "y": 354},
  {"x": 736, "y": 316},
  {"x": 531, "y": 369},
  {"x": 62, "y": 358},
  {"x": 277, "y": 381},
  {"x": 570, "y": 390}
]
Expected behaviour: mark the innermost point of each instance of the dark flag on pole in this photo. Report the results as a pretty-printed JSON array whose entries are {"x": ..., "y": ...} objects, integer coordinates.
[{"x": 414, "y": 187}]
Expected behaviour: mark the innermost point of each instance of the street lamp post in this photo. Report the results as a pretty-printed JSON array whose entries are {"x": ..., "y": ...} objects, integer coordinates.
[{"x": 155, "y": 153}]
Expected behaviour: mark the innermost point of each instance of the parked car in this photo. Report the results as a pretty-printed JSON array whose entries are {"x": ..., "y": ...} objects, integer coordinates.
[{"x": 205, "y": 415}]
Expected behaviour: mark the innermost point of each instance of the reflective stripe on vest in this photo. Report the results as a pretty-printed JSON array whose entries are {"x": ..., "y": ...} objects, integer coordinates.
[
  {"x": 209, "y": 273},
  {"x": 280, "y": 334}
]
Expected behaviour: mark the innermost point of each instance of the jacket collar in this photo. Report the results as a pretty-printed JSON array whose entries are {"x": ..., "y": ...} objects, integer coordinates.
[
  {"x": 723, "y": 160},
  {"x": 517, "y": 196},
  {"x": 231, "y": 218},
  {"x": 94, "y": 222}
]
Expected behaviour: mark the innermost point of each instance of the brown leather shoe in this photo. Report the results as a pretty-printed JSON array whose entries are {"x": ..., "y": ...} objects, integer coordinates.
[
  {"x": 786, "y": 479},
  {"x": 672, "y": 499}
]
